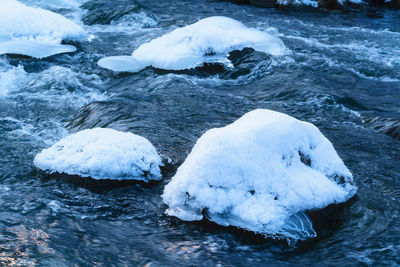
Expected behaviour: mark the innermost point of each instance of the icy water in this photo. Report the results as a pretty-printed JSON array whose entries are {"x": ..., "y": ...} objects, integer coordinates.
[{"x": 339, "y": 71}]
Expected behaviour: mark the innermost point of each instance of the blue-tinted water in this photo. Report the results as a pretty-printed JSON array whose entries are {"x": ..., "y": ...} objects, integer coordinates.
[{"x": 339, "y": 70}]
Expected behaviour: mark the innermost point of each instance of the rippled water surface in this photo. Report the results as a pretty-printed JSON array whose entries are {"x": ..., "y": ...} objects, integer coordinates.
[{"x": 339, "y": 71}]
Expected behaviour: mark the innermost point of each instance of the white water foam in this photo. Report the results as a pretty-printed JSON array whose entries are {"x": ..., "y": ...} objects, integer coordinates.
[
  {"x": 45, "y": 133},
  {"x": 11, "y": 78},
  {"x": 56, "y": 85},
  {"x": 126, "y": 24}
]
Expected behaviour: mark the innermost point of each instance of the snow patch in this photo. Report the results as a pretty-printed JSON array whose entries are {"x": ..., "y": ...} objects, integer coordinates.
[
  {"x": 102, "y": 153},
  {"x": 35, "y": 32},
  {"x": 310, "y": 3},
  {"x": 260, "y": 173},
  {"x": 208, "y": 40}
]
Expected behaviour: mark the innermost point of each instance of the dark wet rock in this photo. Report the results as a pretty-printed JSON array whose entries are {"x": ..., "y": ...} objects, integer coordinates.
[
  {"x": 376, "y": 2},
  {"x": 324, "y": 4},
  {"x": 388, "y": 126},
  {"x": 263, "y": 3},
  {"x": 243, "y": 61},
  {"x": 103, "y": 11},
  {"x": 259, "y": 3},
  {"x": 350, "y": 103},
  {"x": 394, "y": 4},
  {"x": 100, "y": 114},
  {"x": 329, "y": 4},
  {"x": 327, "y": 220}
]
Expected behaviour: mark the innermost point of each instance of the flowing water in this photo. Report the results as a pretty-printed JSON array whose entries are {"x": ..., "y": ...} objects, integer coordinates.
[{"x": 339, "y": 70}]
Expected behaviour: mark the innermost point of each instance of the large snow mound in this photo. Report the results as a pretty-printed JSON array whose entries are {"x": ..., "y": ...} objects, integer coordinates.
[
  {"x": 35, "y": 32},
  {"x": 208, "y": 40},
  {"x": 102, "y": 153},
  {"x": 260, "y": 173}
]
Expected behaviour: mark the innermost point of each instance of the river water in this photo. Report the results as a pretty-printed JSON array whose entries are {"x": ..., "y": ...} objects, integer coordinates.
[{"x": 339, "y": 69}]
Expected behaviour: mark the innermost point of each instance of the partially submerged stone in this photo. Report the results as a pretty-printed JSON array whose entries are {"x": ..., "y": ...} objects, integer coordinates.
[
  {"x": 209, "y": 40},
  {"x": 102, "y": 153},
  {"x": 260, "y": 173}
]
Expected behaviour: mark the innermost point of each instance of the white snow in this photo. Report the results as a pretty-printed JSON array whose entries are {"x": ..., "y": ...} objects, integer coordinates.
[
  {"x": 208, "y": 40},
  {"x": 122, "y": 63},
  {"x": 311, "y": 3},
  {"x": 102, "y": 153},
  {"x": 363, "y": 2},
  {"x": 35, "y": 32},
  {"x": 250, "y": 174}
]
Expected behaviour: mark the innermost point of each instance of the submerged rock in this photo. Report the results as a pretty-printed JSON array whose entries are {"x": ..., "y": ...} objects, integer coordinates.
[
  {"x": 207, "y": 41},
  {"x": 260, "y": 173},
  {"x": 388, "y": 126},
  {"x": 101, "y": 114},
  {"x": 394, "y": 4},
  {"x": 152, "y": 115},
  {"x": 35, "y": 32},
  {"x": 263, "y": 3},
  {"x": 102, "y": 153},
  {"x": 104, "y": 11}
]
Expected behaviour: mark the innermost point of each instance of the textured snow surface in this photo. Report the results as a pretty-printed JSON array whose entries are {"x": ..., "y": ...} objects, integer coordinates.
[
  {"x": 102, "y": 153},
  {"x": 311, "y": 3},
  {"x": 34, "y": 31},
  {"x": 260, "y": 173},
  {"x": 208, "y": 40}
]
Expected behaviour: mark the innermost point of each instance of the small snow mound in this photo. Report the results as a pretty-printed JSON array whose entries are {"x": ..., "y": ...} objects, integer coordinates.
[
  {"x": 102, "y": 153},
  {"x": 208, "y": 40},
  {"x": 311, "y": 3},
  {"x": 260, "y": 173},
  {"x": 121, "y": 64},
  {"x": 35, "y": 32}
]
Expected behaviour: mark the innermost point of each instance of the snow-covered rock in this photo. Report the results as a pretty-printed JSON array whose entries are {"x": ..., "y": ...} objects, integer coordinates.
[
  {"x": 260, "y": 173},
  {"x": 35, "y": 32},
  {"x": 208, "y": 40},
  {"x": 102, "y": 153}
]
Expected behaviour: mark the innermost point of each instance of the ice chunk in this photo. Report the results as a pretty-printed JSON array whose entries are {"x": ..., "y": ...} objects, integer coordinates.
[
  {"x": 121, "y": 64},
  {"x": 260, "y": 173},
  {"x": 33, "y": 48},
  {"x": 208, "y": 40},
  {"x": 102, "y": 153},
  {"x": 35, "y": 32}
]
